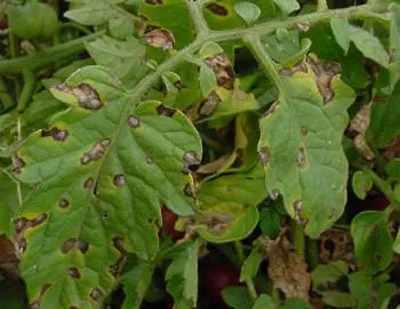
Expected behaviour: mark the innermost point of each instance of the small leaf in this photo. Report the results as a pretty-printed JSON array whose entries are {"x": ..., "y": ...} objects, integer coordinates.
[
  {"x": 120, "y": 26},
  {"x": 287, "y": 6},
  {"x": 251, "y": 265},
  {"x": 393, "y": 168},
  {"x": 338, "y": 299},
  {"x": 329, "y": 273},
  {"x": 296, "y": 303},
  {"x": 341, "y": 30},
  {"x": 361, "y": 184},
  {"x": 181, "y": 275},
  {"x": 135, "y": 281},
  {"x": 372, "y": 239},
  {"x": 237, "y": 297},
  {"x": 207, "y": 80},
  {"x": 369, "y": 45},
  {"x": 264, "y": 302},
  {"x": 250, "y": 12}
]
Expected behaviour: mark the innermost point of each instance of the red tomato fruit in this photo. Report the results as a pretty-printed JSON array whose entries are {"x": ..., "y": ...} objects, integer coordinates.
[
  {"x": 169, "y": 220},
  {"x": 218, "y": 277},
  {"x": 378, "y": 203},
  {"x": 3, "y": 24}
]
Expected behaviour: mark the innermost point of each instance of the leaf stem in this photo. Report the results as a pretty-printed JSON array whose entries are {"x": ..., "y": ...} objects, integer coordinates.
[
  {"x": 195, "y": 11},
  {"x": 249, "y": 282},
  {"x": 27, "y": 90},
  {"x": 313, "y": 253},
  {"x": 47, "y": 57},
  {"x": 298, "y": 239},
  {"x": 381, "y": 184}
]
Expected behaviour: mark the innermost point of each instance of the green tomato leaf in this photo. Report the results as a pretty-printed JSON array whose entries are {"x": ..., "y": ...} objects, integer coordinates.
[
  {"x": 393, "y": 168},
  {"x": 92, "y": 13},
  {"x": 287, "y": 6},
  {"x": 250, "y": 12},
  {"x": 372, "y": 240},
  {"x": 181, "y": 275},
  {"x": 296, "y": 303},
  {"x": 338, "y": 299},
  {"x": 341, "y": 30},
  {"x": 136, "y": 280},
  {"x": 270, "y": 220},
  {"x": 322, "y": 275},
  {"x": 361, "y": 183},
  {"x": 385, "y": 115},
  {"x": 171, "y": 15},
  {"x": 101, "y": 171},
  {"x": 369, "y": 45},
  {"x": 124, "y": 59},
  {"x": 300, "y": 149},
  {"x": 360, "y": 286},
  {"x": 264, "y": 302},
  {"x": 120, "y": 26},
  {"x": 385, "y": 293},
  {"x": 237, "y": 298},
  {"x": 251, "y": 265},
  {"x": 207, "y": 80}
]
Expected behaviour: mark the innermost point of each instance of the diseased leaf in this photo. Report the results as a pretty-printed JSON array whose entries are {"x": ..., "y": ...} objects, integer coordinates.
[
  {"x": 300, "y": 148},
  {"x": 182, "y": 273},
  {"x": 207, "y": 80},
  {"x": 120, "y": 26},
  {"x": 136, "y": 281},
  {"x": 250, "y": 12},
  {"x": 322, "y": 275},
  {"x": 341, "y": 30},
  {"x": 369, "y": 45},
  {"x": 264, "y": 302},
  {"x": 92, "y": 13},
  {"x": 237, "y": 297},
  {"x": 372, "y": 239},
  {"x": 101, "y": 171},
  {"x": 361, "y": 184},
  {"x": 287, "y": 6},
  {"x": 251, "y": 265}
]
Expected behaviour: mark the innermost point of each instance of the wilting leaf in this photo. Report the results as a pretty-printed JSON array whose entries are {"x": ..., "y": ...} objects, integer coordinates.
[
  {"x": 287, "y": 270},
  {"x": 372, "y": 240},
  {"x": 136, "y": 280},
  {"x": 361, "y": 183},
  {"x": 101, "y": 171},
  {"x": 237, "y": 297},
  {"x": 300, "y": 148},
  {"x": 341, "y": 30},
  {"x": 182, "y": 273}
]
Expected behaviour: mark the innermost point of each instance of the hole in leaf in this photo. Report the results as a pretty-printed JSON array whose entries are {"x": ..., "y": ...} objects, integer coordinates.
[
  {"x": 164, "y": 110},
  {"x": 73, "y": 272},
  {"x": 217, "y": 9},
  {"x": 56, "y": 133}
]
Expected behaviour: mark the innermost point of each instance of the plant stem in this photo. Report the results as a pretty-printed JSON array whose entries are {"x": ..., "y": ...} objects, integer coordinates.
[
  {"x": 298, "y": 239},
  {"x": 47, "y": 57},
  {"x": 27, "y": 90},
  {"x": 249, "y": 282},
  {"x": 381, "y": 184},
  {"x": 313, "y": 253},
  {"x": 197, "y": 17}
]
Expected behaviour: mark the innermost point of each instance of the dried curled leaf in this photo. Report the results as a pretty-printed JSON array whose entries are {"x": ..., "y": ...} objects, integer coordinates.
[
  {"x": 336, "y": 244},
  {"x": 287, "y": 270}
]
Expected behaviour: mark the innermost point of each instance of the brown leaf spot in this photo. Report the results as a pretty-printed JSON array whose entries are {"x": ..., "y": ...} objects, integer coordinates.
[
  {"x": 82, "y": 245},
  {"x": 56, "y": 133},
  {"x": 63, "y": 203},
  {"x": 324, "y": 72},
  {"x": 287, "y": 270},
  {"x": 97, "y": 151},
  {"x": 68, "y": 245},
  {"x": 86, "y": 95},
  {"x": 117, "y": 267},
  {"x": 216, "y": 223},
  {"x": 164, "y": 110},
  {"x": 35, "y": 305},
  {"x": 44, "y": 288},
  {"x": 301, "y": 158},
  {"x": 134, "y": 122},
  {"x": 304, "y": 131},
  {"x": 190, "y": 162},
  {"x": 95, "y": 294},
  {"x": 360, "y": 143},
  {"x": 73, "y": 272},
  {"x": 223, "y": 70},
  {"x": 207, "y": 107},
  {"x": 119, "y": 180},
  {"x": 160, "y": 38},
  {"x": 392, "y": 150},
  {"x": 22, "y": 245},
  {"x": 263, "y": 155},
  {"x": 188, "y": 190},
  {"x": 17, "y": 163},
  {"x": 21, "y": 224},
  {"x": 361, "y": 121},
  {"x": 217, "y": 9},
  {"x": 89, "y": 183},
  {"x": 149, "y": 160}
]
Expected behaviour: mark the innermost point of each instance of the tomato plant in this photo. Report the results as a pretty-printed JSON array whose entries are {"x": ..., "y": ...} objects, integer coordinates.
[{"x": 193, "y": 154}]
